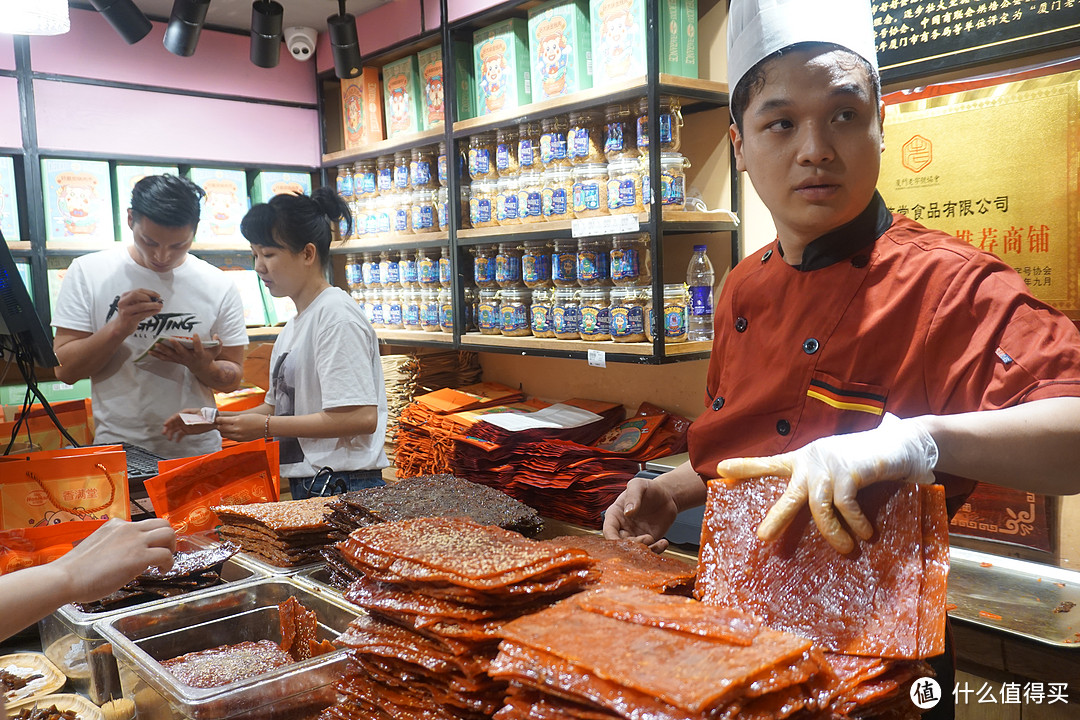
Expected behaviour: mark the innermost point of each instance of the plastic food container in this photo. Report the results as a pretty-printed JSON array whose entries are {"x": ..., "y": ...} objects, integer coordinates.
[
  {"x": 529, "y": 146},
  {"x": 586, "y": 137},
  {"x": 673, "y": 322},
  {"x": 142, "y": 639},
  {"x": 670, "y": 124},
  {"x": 429, "y": 310},
  {"x": 564, "y": 263},
  {"x": 595, "y": 314},
  {"x": 482, "y": 156},
  {"x": 536, "y": 263},
  {"x": 401, "y": 170},
  {"x": 590, "y": 190},
  {"x": 620, "y": 132},
  {"x": 673, "y": 180},
  {"x": 423, "y": 168},
  {"x": 506, "y": 201},
  {"x": 556, "y": 199},
  {"x": 71, "y": 642},
  {"x": 566, "y": 314},
  {"x": 482, "y": 203},
  {"x": 593, "y": 255},
  {"x": 446, "y": 310},
  {"x": 629, "y": 311},
  {"x": 624, "y": 187},
  {"x": 631, "y": 262},
  {"x": 508, "y": 265},
  {"x": 540, "y": 313},
  {"x": 553, "y": 150},
  {"x": 487, "y": 312},
  {"x": 514, "y": 312},
  {"x": 531, "y": 196},
  {"x": 506, "y": 152}
]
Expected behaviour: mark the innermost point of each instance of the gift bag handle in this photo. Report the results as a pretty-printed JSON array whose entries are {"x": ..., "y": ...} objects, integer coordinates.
[{"x": 82, "y": 513}]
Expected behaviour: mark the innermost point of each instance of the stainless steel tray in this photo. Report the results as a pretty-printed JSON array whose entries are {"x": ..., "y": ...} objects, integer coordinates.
[{"x": 1015, "y": 596}]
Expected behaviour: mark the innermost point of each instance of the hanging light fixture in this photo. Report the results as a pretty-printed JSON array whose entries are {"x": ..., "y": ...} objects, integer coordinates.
[
  {"x": 266, "y": 33},
  {"x": 185, "y": 24},
  {"x": 127, "y": 20},
  {"x": 34, "y": 17},
  {"x": 344, "y": 43}
]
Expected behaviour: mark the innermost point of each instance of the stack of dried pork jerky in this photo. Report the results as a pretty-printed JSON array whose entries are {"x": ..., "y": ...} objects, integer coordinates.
[
  {"x": 625, "y": 562},
  {"x": 283, "y": 534},
  {"x": 879, "y": 610},
  {"x": 422, "y": 496},
  {"x": 191, "y": 570},
  {"x": 622, "y": 652},
  {"x": 437, "y": 592}
]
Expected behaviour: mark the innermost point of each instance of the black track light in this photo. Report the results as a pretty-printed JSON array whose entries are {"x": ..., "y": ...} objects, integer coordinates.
[
  {"x": 344, "y": 43},
  {"x": 185, "y": 24},
  {"x": 127, "y": 20},
  {"x": 266, "y": 33}
]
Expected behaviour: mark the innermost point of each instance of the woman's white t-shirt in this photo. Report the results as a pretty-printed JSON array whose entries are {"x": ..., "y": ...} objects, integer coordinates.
[{"x": 328, "y": 357}]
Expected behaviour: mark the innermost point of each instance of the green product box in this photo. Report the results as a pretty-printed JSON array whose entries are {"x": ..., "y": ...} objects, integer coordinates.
[
  {"x": 429, "y": 64},
  {"x": 126, "y": 177},
  {"x": 402, "y": 97},
  {"x": 9, "y": 202},
  {"x": 78, "y": 200},
  {"x": 224, "y": 206},
  {"x": 689, "y": 27},
  {"x": 54, "y": 391},
  {"x": 618, "y": 39},
  {"x": 466, "y": 80},
  {"x": 269, "y": 183},
  {"x": 501, "y": 57},
  {"x": 560, "y": 47}
]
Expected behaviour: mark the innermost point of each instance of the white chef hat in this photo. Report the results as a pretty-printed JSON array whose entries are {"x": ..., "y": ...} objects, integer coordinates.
[{"x": 758, "y": 28}]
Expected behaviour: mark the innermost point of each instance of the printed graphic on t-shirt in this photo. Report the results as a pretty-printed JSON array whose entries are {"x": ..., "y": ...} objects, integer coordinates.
[
  {"x": 285, "y": 404},
  {"x": 153, "y": 327}
]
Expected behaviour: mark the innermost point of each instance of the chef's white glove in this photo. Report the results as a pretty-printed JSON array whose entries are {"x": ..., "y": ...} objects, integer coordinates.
[{"x": 829, "y": 473}]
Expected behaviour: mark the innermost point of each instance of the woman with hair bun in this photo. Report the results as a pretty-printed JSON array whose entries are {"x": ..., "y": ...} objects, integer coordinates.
[{"x": 326, "y": 403}]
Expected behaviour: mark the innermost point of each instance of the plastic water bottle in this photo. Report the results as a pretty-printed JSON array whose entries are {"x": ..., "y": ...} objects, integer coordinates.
[{"x": 700, "y": 278}]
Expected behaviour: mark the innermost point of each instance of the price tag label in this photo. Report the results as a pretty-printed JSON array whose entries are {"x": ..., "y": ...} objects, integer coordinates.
[
  {"x": 598, "y": 358},
  {"x": 605, "y": 225}
]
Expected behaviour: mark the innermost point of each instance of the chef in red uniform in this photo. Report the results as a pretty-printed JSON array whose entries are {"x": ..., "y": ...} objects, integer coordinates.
[{"x": 858, "y": 346}]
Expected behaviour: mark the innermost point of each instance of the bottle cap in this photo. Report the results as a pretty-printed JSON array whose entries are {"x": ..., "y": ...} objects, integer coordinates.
[{"x": 702, "y": 248}]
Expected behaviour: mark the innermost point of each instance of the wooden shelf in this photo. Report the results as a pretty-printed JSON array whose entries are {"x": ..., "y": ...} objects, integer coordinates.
[
  {"x": 412, "y": 337},
  {"x": 385, "y": 147},
  {"x": 619, "y": 352},
  {"x": 217, "y": 247},
  {"x": 707, "y": 91},
  {"x": 19, "y": 246},
  {"x": 264, "y": 334},
  {"x": 76, "y": 247},
  {"x": 679, "y": 221},
  {"x": 392, "y": 241}
]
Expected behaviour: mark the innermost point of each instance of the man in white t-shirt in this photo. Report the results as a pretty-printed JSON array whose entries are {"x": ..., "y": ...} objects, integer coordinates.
[{"x": 114, "y": 305}]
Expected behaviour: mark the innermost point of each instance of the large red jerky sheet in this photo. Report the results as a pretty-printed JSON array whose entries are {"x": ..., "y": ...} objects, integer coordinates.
[
  {"x": 686, "y": 671},
  {"x": 625, "y": 562},
  {"x": 867, "y": 602},
  {"x": 228, "y": 663}
]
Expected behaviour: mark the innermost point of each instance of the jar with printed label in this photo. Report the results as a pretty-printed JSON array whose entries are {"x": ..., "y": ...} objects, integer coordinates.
[
  {"x": 429, "y": 310},
  {"x": 345, "y": 187},
  {"x": 359, "y": 217},
  {"x": 408, "y": 270},
  {"x": 401, "y": 170},
  {"x": 624, "y": 187},
  {"x": 445, "y": 276},
  {"x": 423, "y": 211},
  {"x": 410, "y": 309},
  {"x": 673, "y": 322},
  {"x": 556, "y": 197},
  {"x": 514, "y": 312},
  {"x": 508, "y": 265},
  {"x": 592, "y": 261},
  {"x": 553, "y": 145},
  {"x": 590, "y": 190},
  {"x": 427, "y": 267},
  {"x": 540, "y": 313},
  {"x": 629, "y": 311},
  {"x": 358, "y": 296},
  {"x": 482, "y": 156},
  {"x": 392, "y": 308},
  {"x": 506, "y": 201},
  {"x": 374, "y": 300},
  {"x": 403, "y": 213},
  {"x": 443, "y": 164},
  {"x": 442, "y": 209},
  {"x": 385, "y": 209},
  {"x": 564, "y": 263},
  {"x": 371, "y": 215},
  {"x": 446, "y": 310},
  {"x": 488, "y": 321},
  {"x": 585, "y": 138},
  {"x": 369, "y": 304},
  {"x": 369, "y": 269},
  {"x": 484, "y": 266},
  {"x": 529, "y": 146},
  {"x": 482, "y": 203},
  {"x": 536, "y": 263},
  {"x": 354, "y": 275},
  {"x": 384, "y": 174},
  {"x": 671, "y": 122},
  {"x": 631, "y": 261},
  {"x": 506, "y": 152},
  {"x": 673, "y": 175},
  {"x": 595, "y": 314},
  {"x": 365, "y": 179},
  {"x": 472, "y": 298},
  {"x": 566, "y": 314},
  {"x": 389, "y": 271},
  {"x": 423, "y": 169},
  {"x": 531, "y": 196},
  {"x": 620, "y": 132}
]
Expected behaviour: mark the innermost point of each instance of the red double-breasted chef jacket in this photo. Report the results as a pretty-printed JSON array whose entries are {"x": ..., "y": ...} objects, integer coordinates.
[{"x": 883, "y": 315}]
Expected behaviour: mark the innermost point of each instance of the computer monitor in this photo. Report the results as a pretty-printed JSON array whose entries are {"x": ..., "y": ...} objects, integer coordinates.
[{"x": 22, "y": 333}]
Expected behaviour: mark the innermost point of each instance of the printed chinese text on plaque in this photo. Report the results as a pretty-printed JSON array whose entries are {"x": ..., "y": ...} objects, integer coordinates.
[{"x": 996, "y": 167}]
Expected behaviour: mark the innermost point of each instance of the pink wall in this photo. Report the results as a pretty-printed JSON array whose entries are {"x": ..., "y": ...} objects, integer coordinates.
[
  {"x": 220, "y": 64},
  {"x": 7, "y": 52},
  {"x": 432, "y": 21},
  {"x": 113, "y": 121},
  {"x": 10, "y": 124},
  {"x": 458, "y": 9}
]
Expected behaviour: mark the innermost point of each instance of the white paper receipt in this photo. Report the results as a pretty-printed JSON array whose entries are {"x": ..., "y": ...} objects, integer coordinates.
[{"x": 206, "y": 416}]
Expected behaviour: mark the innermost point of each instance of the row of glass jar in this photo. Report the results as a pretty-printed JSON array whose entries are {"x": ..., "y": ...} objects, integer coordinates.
[
  {"x": 421, "y": 168},
  {"x": 619, "y": 314},
  {"x": 623, "y": 260},
  {"x": 618, "y": 132},
  {"x": 392, "y": 308},
  {"x": 428, "y": 267}
]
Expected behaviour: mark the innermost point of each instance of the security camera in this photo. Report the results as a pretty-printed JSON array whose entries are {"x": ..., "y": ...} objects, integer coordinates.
[{"x": 301, "y": 41}]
